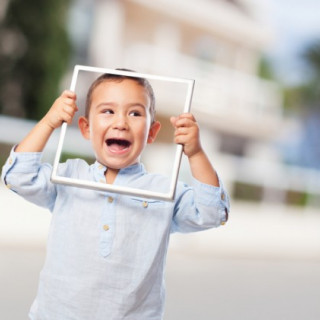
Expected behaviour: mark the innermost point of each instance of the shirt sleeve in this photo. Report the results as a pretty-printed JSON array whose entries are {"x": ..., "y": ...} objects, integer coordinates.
[
  {"x": 24, "y": 174},
  {"x": 200, "y": 207}
]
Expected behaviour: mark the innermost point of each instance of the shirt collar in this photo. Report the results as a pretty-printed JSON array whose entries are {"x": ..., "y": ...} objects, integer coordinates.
[{"x": 99, "y": 170}]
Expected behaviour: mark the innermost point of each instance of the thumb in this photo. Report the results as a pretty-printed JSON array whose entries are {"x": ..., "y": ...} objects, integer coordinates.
[{"x": 173, "y": 121}]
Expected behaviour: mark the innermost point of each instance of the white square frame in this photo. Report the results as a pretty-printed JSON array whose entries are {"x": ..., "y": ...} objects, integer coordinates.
[{"x": 168, "y": 196}]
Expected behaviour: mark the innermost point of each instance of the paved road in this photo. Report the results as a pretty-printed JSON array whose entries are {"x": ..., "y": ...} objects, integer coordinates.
[
  {"x": 263, "y": 265},
  {"x": 210, "y": 288},
  {"x": 198, "y": 286}
]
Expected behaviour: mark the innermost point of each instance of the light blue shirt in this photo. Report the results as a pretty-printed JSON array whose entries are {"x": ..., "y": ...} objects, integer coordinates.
[{"x": 106, "y": 252}]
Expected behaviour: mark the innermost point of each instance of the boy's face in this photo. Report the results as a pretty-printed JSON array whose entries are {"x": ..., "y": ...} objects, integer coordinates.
[{"x": 119, "y": 124}]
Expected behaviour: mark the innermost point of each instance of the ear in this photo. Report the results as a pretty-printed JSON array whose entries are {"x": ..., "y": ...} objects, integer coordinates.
[
  {"x": 153, "y": 131},
  {"x": 83, "y": 124}
]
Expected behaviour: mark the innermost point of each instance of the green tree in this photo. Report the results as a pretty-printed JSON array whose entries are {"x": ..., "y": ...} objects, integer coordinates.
[
  {"x": 304, "y": 102},
  {"x": 306, "y": 96},
  {"x": 34, "y": 53},
  {"x": 265, "y": 70},
  {"x": 312, "y": 58}
]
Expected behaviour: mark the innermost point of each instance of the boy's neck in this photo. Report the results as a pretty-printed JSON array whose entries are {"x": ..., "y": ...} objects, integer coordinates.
[{"x": 111, "y": 175}]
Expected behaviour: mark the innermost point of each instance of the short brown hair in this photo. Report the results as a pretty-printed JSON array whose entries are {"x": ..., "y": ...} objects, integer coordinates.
[{"x": 118, "y": 78}]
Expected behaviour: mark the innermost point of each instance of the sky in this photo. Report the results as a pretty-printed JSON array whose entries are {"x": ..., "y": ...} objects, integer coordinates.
[{"x": 296, "y": 23}]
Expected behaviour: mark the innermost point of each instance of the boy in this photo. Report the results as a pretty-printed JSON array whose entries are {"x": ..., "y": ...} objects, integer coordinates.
[{"x": 106, "y": 252}]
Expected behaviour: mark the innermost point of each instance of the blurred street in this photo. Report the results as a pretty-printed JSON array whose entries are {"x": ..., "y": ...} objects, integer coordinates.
[
  {"x": 256, "y": 69},
  {"x": 265, "y": 264}
]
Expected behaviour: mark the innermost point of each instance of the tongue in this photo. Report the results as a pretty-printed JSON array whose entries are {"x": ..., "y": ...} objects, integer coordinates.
[{"x": 115, "y": 147}]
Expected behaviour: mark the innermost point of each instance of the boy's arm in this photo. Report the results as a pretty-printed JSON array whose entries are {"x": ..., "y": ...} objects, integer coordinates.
[
  {"x": 62, "y": 110},
  {"x": 187, "y": 134},
  {"x": 207, "y": 205}
]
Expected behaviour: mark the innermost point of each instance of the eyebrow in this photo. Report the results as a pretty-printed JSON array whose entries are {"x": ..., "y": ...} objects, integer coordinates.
[{"x": 113, "y": 104}]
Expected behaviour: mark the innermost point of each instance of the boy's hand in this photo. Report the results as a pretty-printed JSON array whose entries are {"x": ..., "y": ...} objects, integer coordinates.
[
  {"x": 62, "y": 110},
  {"x": 187, "y": 133}
]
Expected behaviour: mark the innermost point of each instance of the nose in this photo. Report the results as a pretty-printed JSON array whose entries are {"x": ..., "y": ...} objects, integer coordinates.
[{"x": 120, "y": 122}]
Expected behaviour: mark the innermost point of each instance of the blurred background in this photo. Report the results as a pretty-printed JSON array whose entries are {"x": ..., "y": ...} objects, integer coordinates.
[{"x": 256, "y": 66}]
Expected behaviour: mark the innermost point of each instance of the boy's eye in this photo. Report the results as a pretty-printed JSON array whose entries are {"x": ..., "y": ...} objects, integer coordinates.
[
  {"x": 108, "y": 111},
  {"x": 135, "y": 114}
]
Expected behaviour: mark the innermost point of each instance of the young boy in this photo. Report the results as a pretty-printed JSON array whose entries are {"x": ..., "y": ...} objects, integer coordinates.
[{"x": 106, "y": 252}]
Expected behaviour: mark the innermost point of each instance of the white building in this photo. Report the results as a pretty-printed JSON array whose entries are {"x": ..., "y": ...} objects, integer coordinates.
[{"x": 218, "y": 43}]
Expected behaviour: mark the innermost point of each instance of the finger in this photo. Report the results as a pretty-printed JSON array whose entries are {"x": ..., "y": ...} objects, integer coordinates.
[
  {"x": 69, "y": 101},
  {"x": 181, "y": 139},
  {"x": 68, "y": 94},
  {"x": 187, "y": 116},
  {"x": 173, "y": 120},
  {"x": 71, "y": 104},
  {"x": 67, "y": 117},
  {"x": 71, "y": 110},
  {"x": 182, "y": 131},
  {"x": 185, "y": 122}
]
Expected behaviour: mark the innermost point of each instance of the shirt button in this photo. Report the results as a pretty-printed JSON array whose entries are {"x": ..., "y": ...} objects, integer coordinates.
[
  {"x": 8, "y": 186},
  {"x": 100, "y": 166},
  {"x": 145, "y": 204},
  {"x": 226, "y": 218},
  {"x": 10, "y": 161},
  {"x": 106, "y": 227},
  {"x": 223, "y": 196},
  {"x": 110, "y": 199}
]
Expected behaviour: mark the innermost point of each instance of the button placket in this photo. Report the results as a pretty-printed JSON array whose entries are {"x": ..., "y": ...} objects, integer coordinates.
[
  {"x": 110, "y": 199},
  {"x": 99, "y": 173},
  {"x": 107, "y": 226},
  {"x": 226, "y": 217}
]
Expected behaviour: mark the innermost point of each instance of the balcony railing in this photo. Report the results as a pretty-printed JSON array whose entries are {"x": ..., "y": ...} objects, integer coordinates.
[{"x": 219, "y": 91}]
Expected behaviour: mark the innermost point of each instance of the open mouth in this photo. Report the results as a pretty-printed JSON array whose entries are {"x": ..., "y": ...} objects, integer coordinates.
[{"x": 118, "y": 145}]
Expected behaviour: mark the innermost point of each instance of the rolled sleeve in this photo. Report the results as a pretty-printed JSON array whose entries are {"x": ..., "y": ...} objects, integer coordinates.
[
  {"x": 201, "y": 207},
  {"x": 20, "y": 163},
  {"x": 24, "y": 174},
  {"x": 212, "y": 196}
]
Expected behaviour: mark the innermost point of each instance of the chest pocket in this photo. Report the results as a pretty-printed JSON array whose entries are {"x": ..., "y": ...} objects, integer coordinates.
[
  {"x": 142, "y": 206},
  {"x": 147, "y": 204}
]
